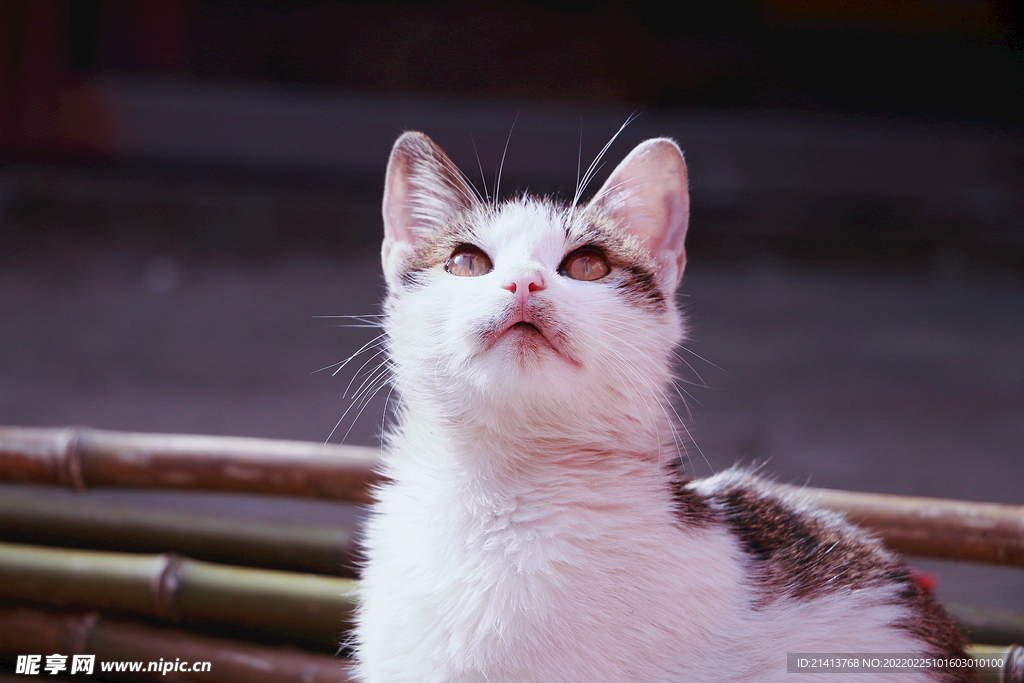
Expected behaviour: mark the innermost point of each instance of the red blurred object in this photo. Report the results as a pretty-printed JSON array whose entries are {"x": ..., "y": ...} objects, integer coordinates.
[
  {"x": 927, "y": 581},
  {"x": 46, "y": 107}
]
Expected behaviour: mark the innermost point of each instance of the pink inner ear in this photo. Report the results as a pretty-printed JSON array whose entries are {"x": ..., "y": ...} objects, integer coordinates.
[
  {"x": 423, "y": 189},
  {"x": 647, "y": 195},
  {"x": 397, "y": 217}
]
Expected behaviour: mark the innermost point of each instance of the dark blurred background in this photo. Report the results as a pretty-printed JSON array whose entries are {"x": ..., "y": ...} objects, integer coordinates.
[
  {"x": 865, "y": 129},
  {"x": 185, "y": 184}
]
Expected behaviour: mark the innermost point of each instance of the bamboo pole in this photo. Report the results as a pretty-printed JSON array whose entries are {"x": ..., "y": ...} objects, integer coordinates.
[
  {"x": 168, "y": 586},
  {"x": 28, "y": 517},
  {"x": 928, "y": 527},
  {"x": 933, "y": 527},
  {"x": 35, "y": 631},
  {"x": 987, "y": 625},
  {"x": 81, "y": 458},
  {"x": 314, "y": 608},
  {"x": 1012, "y": 656}
]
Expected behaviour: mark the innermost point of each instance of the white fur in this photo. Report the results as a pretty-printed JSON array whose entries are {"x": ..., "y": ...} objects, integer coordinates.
[{"x": 527, "y": 534}]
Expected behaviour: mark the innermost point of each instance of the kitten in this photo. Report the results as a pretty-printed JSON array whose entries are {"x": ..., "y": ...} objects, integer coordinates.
[{"x": 535, "y": 527}]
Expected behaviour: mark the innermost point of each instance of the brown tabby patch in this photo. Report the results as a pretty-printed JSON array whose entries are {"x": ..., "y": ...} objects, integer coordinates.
[
  {"x": 801, "y": 554},
  {"x": 797, "y": 555},
  {"x": 931, "y": 624},
  {"x": 691, "y": 508}
]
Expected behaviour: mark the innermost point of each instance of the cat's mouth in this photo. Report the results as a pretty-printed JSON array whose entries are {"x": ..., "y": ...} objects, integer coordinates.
[
  {"x": 530, "y": 337},
  {"x": 524, "y": 326},
  {"x": 520, "y": 330}
]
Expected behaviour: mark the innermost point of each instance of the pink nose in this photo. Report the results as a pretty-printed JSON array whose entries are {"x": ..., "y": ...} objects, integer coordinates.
[{"x": 524, "y": 284}]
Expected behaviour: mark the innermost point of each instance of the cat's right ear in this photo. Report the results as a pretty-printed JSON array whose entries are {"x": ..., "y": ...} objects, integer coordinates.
[
  {"x": 648, "y": 195},
  {"x": 423, "y": 192}
]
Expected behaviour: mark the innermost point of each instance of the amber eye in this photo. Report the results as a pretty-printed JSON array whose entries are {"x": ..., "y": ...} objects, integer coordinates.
[
  {"x": 468, "y": 261},
  {"x": 585, "y": 264}
]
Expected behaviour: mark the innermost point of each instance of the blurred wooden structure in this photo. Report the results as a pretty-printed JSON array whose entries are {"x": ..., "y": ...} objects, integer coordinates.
[{"x": 267, "y": 584}]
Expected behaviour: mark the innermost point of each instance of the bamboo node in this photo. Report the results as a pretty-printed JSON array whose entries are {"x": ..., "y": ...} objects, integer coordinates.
[
  {"x": 69, "y": 459},
  {"x": 308, "y": 674},
  {"x": 79, "y": 632},
  {"x": 1013, "y": 672},
  {"x": 165, "y": 587}
]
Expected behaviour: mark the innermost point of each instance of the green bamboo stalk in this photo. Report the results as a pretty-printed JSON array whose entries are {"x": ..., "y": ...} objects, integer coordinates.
[
  {"x": 933, "y": 527},
  {"x": 36, "y": 631},
  {"x": 306, "y": 606},
  {"x": 29, "y": 517},
  {"x": 80, "y": 458}
]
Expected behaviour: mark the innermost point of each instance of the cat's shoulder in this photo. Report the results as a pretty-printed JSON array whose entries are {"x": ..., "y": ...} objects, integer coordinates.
[{"x": 793, "y": 549}]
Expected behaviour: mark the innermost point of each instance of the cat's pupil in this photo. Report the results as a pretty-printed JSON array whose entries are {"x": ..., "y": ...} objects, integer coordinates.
[
  {"x": 468, "y": 261},
  {"x": 585, "y": 264}
]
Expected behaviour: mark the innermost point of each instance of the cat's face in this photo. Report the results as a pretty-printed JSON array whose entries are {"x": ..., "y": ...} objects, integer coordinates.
[{"x": 528, "y": 301}]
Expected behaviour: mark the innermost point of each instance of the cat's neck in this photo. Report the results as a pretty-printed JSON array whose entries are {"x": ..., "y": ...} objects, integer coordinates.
[{"x": 530, "y": 450}]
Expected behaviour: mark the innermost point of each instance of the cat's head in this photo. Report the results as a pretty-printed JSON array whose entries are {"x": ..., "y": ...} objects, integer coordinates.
[{"x": 531, "y": 303}]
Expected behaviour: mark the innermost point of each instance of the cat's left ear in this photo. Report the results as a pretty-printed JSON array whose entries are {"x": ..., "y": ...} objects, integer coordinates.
[
  {"x": 423, "y": 192},
  {"x": 648, "y": 195}
]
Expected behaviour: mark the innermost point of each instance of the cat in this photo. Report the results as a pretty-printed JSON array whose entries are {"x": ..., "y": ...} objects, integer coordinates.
[{"x": 535, "y": 525}]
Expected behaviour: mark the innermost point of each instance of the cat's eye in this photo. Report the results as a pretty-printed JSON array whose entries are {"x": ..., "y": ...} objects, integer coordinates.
[
  {"x": 585, "y": 264},
  {"x": 468, "y": 261}
]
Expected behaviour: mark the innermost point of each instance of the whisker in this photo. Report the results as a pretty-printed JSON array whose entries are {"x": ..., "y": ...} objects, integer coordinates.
[
  {"x": 697, "y": 355},
  {"x": 366, "y": 402},
  {"x": 621, "y": 324},
  {"x": 501, "y": 167},
  {"x": 364, "y": 319},
  {"x": 682, "y": 360},
  {"x": 356, "y": 373},
  {"x": 479, "y": 165},
  {"x": 595, "y": 165},
  {"x": 654, "y": 391},
  {"x": 341, "y": 364},
  {"x": 579, "y": 160},
  {"x": 364, "y": 315},
  {"x": 696, "y": 445},
  {"x": 371, "y": 378}
]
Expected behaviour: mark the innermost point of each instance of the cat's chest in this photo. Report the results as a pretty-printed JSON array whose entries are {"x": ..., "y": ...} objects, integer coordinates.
[
  {"x": 552, "y": 526},
  {"x": 494, "y": 541},
  {"x": 493, "y": 593}
]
